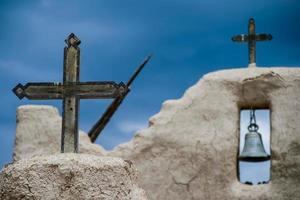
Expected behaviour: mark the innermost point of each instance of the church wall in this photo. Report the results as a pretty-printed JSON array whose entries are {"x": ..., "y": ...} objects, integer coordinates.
[{"x": 190, "y": 149}]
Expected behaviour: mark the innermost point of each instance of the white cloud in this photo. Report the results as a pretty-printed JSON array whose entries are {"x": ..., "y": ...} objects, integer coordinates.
[
  {"x": 131, "y": 126},
  {"x": 255, "y": 172}
]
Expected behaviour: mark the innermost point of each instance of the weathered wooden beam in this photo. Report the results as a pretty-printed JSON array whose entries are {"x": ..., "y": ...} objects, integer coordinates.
[
  {"x": 69, "y": 136},
  {"x": 83, "y": 90},
  {"x": 109, "y": 112}
]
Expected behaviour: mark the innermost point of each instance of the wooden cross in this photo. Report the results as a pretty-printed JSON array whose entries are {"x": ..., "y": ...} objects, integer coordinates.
[
  {"x": 70, "y": 91},
  {"x": 251, "y": 38}
]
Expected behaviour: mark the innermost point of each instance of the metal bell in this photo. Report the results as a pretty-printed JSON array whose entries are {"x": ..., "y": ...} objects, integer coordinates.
[{"x": 253, "y": 149}]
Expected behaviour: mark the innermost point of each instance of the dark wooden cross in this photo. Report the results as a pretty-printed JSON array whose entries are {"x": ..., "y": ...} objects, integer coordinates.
[
  {"x": 251, "y": 38},
  {"x": 71, "y": 91}
]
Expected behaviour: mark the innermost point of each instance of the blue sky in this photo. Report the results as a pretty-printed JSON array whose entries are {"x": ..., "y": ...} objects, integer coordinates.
[{"x": 188, "y": 39}]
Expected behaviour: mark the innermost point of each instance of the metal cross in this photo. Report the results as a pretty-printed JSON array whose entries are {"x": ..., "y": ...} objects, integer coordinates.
[
  {"x": 251, "y": 38},
  {"x": 70, "y": 91}
]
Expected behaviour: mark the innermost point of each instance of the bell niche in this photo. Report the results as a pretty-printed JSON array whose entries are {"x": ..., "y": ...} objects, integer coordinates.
[{"x": 254, "y": 149}]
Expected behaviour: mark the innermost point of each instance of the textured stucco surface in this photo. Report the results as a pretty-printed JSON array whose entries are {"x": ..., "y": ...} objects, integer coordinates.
[
  {"x": 38, "y": 132},
  {"x": 70, "y": 176},
  {"x": 190, "y": 149}
]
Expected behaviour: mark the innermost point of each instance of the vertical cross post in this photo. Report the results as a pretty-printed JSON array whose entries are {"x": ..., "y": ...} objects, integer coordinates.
[
  {"x": 251, "y": 38},
  {"x": 251, "y": 41},
  {"x": 69, "y": 136}
]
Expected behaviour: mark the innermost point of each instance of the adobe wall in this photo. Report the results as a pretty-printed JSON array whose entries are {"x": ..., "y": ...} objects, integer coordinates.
[
  {"x": 70, "y": 176},
  {"x": 190, "y": 149}
]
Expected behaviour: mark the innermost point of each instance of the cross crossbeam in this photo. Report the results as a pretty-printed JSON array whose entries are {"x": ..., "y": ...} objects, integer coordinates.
[
  {"x": 251, "y": 38},
  {"x": 71, "y": 91},
  {"x": 83, "y": 90}
]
